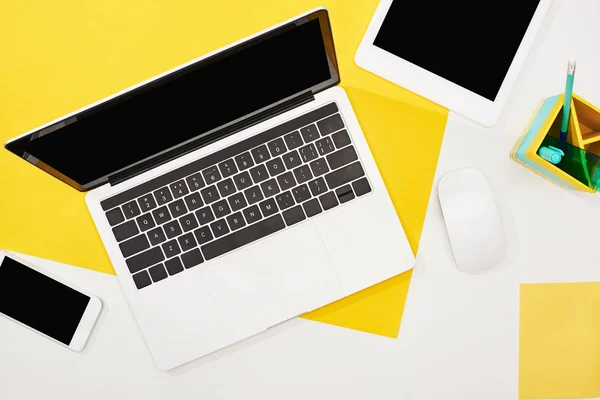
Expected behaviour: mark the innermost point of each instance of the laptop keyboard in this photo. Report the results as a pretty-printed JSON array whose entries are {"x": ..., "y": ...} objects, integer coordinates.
[{"x": 236, "y": 196}]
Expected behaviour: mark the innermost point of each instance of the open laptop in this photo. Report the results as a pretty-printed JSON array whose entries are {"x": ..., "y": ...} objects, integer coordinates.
[{"x": 231, "y": 193}]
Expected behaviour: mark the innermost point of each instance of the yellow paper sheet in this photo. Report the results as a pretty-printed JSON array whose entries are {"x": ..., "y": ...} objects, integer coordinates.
[
  {"x": 559, "y": 341},
  {"x": 59, "y": 56}
]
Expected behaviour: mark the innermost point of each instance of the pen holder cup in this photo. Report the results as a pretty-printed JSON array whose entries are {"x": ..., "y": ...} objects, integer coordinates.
[{"x": 574, "y": 165}]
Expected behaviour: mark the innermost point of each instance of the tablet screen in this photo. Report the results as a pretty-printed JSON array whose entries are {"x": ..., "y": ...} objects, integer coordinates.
[{"x": 470, "y": 45}]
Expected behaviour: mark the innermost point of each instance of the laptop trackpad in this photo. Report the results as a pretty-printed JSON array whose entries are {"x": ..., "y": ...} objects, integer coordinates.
[{"x": 272, "y": 280}]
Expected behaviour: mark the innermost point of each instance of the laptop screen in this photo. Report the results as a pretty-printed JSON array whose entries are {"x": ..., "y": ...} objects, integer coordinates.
[{"x": 87, "y": 147}]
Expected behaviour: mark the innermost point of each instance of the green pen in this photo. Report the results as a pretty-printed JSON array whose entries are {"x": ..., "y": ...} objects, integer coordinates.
[{"x": 567, "y": 103}]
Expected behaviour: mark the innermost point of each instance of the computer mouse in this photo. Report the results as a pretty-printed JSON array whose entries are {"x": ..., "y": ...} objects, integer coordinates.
[{"x": 472, "y": 220}]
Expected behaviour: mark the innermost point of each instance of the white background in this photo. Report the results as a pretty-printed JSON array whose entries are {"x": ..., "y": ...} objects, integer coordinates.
[{"x": 459, "y": 334}]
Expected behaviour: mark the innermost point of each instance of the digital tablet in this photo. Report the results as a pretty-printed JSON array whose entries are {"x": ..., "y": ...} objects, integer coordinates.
[{"x": 463, "y": 55}]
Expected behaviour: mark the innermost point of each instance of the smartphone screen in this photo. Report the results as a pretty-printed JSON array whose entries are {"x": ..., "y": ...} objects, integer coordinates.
[{"x": 39, "y": 301}]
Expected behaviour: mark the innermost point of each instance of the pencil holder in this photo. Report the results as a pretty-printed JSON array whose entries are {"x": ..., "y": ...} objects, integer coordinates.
[{"x": 574, "y": 165}]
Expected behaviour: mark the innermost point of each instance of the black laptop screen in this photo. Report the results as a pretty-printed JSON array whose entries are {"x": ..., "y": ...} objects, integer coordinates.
[{"x": 161, "y": 115}]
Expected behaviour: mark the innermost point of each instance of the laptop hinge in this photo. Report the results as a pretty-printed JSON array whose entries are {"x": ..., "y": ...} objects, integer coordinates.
[{"x": 212, "y": 137}]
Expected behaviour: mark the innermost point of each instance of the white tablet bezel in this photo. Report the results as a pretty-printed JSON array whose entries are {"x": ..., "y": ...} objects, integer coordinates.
[{"x": 438, "y": 89}]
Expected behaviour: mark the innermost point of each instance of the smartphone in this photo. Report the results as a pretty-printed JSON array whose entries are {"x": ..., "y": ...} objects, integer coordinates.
[{"x": 53, "y": 308}]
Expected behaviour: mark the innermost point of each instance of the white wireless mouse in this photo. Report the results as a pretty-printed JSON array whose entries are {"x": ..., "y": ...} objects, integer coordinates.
[{"x": 472, "y": 220}]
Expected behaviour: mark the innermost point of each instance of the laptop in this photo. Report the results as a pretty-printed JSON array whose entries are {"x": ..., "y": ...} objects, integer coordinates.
[{"x": 231, "y": 193}]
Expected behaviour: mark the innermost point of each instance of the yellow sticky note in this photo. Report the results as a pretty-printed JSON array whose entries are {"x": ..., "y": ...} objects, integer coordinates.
[
  {"x": 60, "y": 56},
  {"x": 559, "y": 350}
]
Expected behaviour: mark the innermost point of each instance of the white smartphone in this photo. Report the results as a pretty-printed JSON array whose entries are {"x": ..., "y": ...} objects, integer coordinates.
[{"x": 53, "y": 308}]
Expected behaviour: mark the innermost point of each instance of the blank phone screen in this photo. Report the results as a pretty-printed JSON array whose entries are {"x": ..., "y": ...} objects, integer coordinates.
[
  {"x": 40, "y": 302},
  {"x": 471, "y": 44}
]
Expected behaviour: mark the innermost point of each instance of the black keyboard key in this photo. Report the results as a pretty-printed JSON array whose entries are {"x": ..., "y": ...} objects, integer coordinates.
[
  {"x": 275, "y": 167},
  {"x": 328, "y": 200},
  {"x": 177, "y": 208},
  {"x": 210, "y": 194},
  {"x": 342, "y": 157},
  {"x": 134, "y": 245},
  {"x": 361, "y": 187},
  {"x": 330, "y": 124},
  {"x": 324, "y": 146},
  {"x": 302, "y": 174},
  {"x": 147, "y": 202},
  {"x": 301, "y": 193},
  {"x": 172, "y": 229},
  {"x": 286, "y": 180},
  {"x": 309, "y": 133},
  {"x": 163, "y": 196},
  {"x": 293, "y": 140},
  {"x": 317, "y": 187},
  {"x": 158, "y": 273},
  {"x": 221, "y": 209},
  {"x": 226, "y": 187},
  {"x": 292, "y": 159},
  {"x": 219, "y": 228},
  {"x": 270, "y": 187},
  {"x": 344, "y": 193},
  {"x": 205, "y": 215},
  {"x": 319, "y": 167},
  {"x": 188, "y": 222},
  {"x": 171, "y": 248},
  {"x": 344, "y": 175},
  {"x": 192, "y": 258},
  {"x": 228, "y": 168},
  {"x": 293, "y": 215},
  {"x": 203, "y": 235},
  {"x": 312, "y": 208},
  {"x": 260, "y": 154},
  {"x": 277, "y": 147},
  {"x": 236, "y": 221},
  {"x": 174, "y": 266},
  {"x": 144, "y": 260},
  {"x": 193, "y": 201},
  {"x": 341, "y": 139},
  {"x": 195, "y": 182},
  {"x": 161, "y": 215},
  {"x": 253, "y": 194},
  {"x": 237, "y": 202},
  {"x": 145, "y": 222},
  {"x": 243, "y": 237},
  {"x": 244, "y": 161},
  {"x": 252, "y": 214},
  {"x": 179, "y": 189},
  {"x": 259, "y": 173},
  {"x": 243, "y": 181},
  {"x": 131, "y": 209},
  {"x": 285, "y": 200},
  {"x": 115, "y": 216},
  {"x": 142, "y": 280},
  {"x": 268, "y": 207},
  {"x": 187, "y": 241},
  {"x": 125, "y": 231},
  {"x": 211, "y": 175},
  {"x": 156, "y": 236},
  {"x": 308, "y": 153}
]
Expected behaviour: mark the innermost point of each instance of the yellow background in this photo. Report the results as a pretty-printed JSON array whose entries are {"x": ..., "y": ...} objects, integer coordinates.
[
  {"x": 58, "y": 56},
  {"x": 559, "y": 355}
]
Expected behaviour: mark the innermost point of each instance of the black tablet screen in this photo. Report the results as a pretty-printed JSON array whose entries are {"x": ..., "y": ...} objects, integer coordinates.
[{"x": 471, "y": 44}]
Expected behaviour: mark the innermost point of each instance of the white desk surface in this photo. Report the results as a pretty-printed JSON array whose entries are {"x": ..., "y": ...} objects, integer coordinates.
[{"x": 459, "y": 335}]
